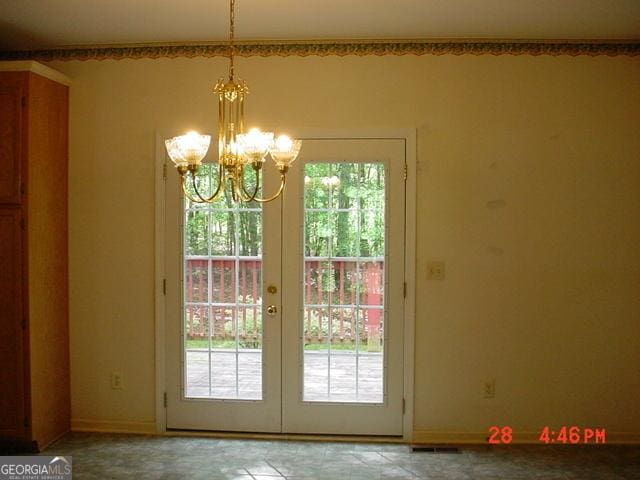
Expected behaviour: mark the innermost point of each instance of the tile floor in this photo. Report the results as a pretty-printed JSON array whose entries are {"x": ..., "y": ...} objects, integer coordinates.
[{"x": 111, "y": 456}]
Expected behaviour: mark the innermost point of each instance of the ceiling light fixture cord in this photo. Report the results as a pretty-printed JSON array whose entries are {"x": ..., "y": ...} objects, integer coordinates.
[{"x": 232, "y": 24}]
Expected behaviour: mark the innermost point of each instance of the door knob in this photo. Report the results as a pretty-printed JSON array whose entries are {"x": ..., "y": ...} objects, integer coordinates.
[{"x": 272, "y": 310}]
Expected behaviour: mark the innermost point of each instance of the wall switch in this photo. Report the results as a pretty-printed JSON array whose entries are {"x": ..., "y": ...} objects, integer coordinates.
[
  {"x": 490, "y": 389},
  {"x": 435, "y": 270},
  {"x": 116, "y": 381}
]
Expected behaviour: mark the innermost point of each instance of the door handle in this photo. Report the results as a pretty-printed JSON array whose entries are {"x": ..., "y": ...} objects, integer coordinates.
[{"x": 272, "y": 310}]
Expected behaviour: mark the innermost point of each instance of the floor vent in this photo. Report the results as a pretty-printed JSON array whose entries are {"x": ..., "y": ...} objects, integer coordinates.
[{"x": 434, "y": 449}]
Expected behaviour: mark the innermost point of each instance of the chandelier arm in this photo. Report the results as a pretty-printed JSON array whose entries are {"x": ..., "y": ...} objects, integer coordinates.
[
  {"x": 191, "y": 198},
  {"x": 219, "y": 188},
  {"x": 237, "y": 185},
  {"x": 283, "y": 178},
  {"x": 250, "y": 197}
]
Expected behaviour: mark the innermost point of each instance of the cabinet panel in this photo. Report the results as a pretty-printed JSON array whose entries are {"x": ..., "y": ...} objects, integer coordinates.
[
  {"x": 10, "y": 142},
  {"x": 34, "y": 355},
  {"x": 12, "y": 394}
]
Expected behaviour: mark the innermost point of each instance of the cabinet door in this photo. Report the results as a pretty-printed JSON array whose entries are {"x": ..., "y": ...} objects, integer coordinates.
[
  {"x": 10, "y": 141},
  {"x": 12, "y": 373}
]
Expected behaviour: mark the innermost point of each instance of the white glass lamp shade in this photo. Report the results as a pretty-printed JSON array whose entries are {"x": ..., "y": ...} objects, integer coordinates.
[
  {"x": 255, "y": 144},
  {"x": 284, "y": 151},
  {"x": 175, "y": 154},
  {"x": 188, "y": 149}
]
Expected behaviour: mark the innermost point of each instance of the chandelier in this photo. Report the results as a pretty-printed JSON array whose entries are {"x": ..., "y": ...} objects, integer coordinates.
[{"x": 237, "y": 150}]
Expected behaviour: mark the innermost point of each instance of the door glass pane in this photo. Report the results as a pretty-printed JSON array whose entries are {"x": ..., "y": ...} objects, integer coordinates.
[
  {"x": 223, "y": 298},
  {"x": 344, "y": 306}
]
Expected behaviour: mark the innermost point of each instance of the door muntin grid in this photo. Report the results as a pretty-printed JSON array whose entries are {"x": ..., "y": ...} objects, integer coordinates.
[
  {"x": 343, "y": 315},
  {"x": 222, "y": 298}
]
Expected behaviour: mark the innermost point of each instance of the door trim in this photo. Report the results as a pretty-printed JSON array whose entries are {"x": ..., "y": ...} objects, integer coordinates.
[
  {"x": 159, "y": 276},
  {"x": 406, "y": 134}
]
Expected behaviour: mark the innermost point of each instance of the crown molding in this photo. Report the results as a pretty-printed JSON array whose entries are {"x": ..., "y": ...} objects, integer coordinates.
[
  {"x": 35, "y": 67},
  {"x": 334, "y": 48}
]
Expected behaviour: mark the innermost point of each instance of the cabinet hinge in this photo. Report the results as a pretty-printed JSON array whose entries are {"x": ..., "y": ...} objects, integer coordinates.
[
  {"x": 404, "y": 406},
  {"x": 165, "y": 399},
  {"x": 405, "y": 171},
  {"x": 404, "y": 289},
  {"x": 164, "y": 171},
  {"x": 164, "y": 286}
]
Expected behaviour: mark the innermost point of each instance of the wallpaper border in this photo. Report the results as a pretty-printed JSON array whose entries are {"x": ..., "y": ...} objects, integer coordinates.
[{"x": 334, "y": 48}]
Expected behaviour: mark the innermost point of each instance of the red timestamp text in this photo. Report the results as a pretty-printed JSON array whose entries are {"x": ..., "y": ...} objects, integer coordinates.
[
  {"x": 564, "y": 435},
  {"x": 500, "y": 435},
  {"x": 573, "y": 435}
]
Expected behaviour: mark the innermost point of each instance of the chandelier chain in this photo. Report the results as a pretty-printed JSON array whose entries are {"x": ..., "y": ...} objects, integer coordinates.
[{"x": 232, "y": 25}]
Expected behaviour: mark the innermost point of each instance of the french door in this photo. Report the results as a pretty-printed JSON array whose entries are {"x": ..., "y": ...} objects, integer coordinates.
[{"x": 288, "y": 316}]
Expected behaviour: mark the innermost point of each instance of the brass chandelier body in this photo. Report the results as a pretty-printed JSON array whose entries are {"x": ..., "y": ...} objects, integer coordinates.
[{"x": 237, "y": 150}]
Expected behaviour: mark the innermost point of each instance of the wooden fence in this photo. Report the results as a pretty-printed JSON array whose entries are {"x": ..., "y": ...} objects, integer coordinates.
[{"x": 343, "y": 299}]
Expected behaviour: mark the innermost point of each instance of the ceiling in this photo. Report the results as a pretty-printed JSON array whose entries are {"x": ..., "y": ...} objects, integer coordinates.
[{"x": 36, "y": 24}]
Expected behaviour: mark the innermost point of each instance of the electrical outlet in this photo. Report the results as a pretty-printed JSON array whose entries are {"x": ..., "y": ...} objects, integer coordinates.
[
  {"x": 435, "y": 270},
  {"x": 116, "y": 381},
  {"x": 490, "y": 388}
]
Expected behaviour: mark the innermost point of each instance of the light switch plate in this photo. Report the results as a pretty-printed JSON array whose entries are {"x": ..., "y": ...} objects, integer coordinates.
[{"x": 435, "y": 270}]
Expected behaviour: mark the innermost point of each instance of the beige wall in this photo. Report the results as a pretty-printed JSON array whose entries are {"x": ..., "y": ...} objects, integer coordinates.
[{"x": 529, "y": 190}]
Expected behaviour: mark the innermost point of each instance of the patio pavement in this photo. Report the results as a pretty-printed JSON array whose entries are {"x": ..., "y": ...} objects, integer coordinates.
[{"x": 326, "y": 379}]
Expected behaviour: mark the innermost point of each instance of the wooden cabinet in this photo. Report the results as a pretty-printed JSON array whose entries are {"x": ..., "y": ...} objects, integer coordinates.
[
  {"x": 10, "y": 141},
  {"x": 11, "y": 329},
  {"x": 34, "y": 327}
]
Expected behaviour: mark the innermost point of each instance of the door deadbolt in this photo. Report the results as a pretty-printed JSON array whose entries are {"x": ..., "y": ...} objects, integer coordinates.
[{"x": 272, "y": 289}]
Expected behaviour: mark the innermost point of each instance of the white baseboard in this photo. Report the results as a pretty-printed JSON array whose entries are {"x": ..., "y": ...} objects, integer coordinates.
[
  {"x": 438, "y": 438},
  {"x": 112, "y": 426},
  {"x": 419, "y": 436},
  {"x": 522, "y": 438}
]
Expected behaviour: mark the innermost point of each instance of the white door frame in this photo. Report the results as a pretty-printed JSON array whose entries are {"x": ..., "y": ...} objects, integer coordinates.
[
  {"x": 159, "y": 282},
  {"x": 409, "y": 136}
]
